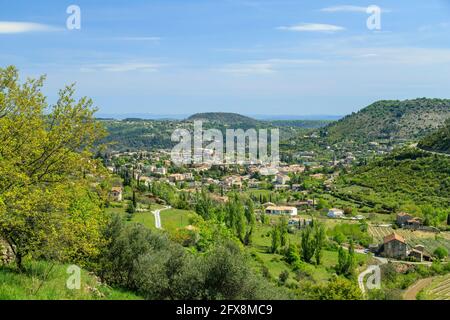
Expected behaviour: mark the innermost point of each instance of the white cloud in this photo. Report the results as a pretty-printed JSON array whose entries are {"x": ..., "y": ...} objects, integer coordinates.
[
  {"x": 122, "y": 67},
  {"x": 344, "y": 8},
  {"x": 7, "y": 27},
  {"x": 349, "y": 8},
  {"x": 312, "y": 27}
]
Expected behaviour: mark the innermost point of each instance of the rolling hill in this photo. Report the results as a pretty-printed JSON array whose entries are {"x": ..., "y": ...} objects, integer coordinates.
[
  {"x": 390, "y": 120},
  {"x": 438, "y": 141},
  {"x": 224, "y": 118}
]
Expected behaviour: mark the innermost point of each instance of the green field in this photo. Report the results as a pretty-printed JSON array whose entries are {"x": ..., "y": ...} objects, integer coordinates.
[
  {"x": 439, "y": 289},
  {"x": 46, "y": 281},
  {"x": 172, "y": 219}
]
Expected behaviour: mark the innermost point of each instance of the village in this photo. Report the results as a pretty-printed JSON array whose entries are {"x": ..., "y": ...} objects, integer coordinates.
[{"x": 278, "y": 191}]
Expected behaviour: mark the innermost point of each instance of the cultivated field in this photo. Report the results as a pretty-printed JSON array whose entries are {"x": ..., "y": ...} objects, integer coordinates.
[
  {"x": 428, "y": 239},
  {"x": 439, "y": 289}
]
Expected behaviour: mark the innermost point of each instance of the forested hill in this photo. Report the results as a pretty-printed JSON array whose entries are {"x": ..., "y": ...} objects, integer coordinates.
[
  {"x": 390, "y": 119},
  {"x": 407, "y": 177},
  {"x": 438, "y": 141},
  {"x": 223, "y": 117}
]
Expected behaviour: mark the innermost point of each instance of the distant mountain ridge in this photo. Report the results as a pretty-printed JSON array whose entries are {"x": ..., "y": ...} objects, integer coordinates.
[{"x": 390, "y": 119}]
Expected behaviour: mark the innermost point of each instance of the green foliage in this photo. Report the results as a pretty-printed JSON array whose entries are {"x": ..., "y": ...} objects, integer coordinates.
[
  {"x": 346, "y": 232},
  {"x": 307, "y": 244},
  {"x": 44, "y": 280},
  {"x": 390, "y": 120},
  {"x": 438, "y": 141},
  {"x": 404, "y": 178},
  {"x": 319, "y": 241},
  {"x": 346, "y": 261},
  {"x": 337, "y": 289},
  {"x": 441, "y": 253},
  {"x": 276, "y": 239},
  {"x": 48, "y": 207},
  {"x": 156, "y": 268},
  {"x": 224, "y": 118}
]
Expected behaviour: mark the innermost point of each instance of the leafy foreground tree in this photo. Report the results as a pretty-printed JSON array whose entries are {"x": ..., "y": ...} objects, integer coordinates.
[
  {"x": 157, "y": 268},
  {"x": 47, "y": 206},
  {"x": 337, "y": 289}
]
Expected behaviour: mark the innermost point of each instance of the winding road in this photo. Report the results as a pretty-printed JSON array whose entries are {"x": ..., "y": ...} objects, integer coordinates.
[{"x": 156, "y": 214}]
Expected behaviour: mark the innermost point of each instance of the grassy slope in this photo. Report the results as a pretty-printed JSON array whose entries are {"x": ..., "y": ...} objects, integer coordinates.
[
  {"x": 172, "y": 219},
  {"x": 40, "y": 284}
]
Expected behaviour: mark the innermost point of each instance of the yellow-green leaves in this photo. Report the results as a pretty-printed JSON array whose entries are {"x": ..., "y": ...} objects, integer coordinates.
[{"x": 47, "y": 207}]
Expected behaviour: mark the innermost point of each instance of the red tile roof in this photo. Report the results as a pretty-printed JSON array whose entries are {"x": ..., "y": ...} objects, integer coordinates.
[{"x": 394, "y": 236}]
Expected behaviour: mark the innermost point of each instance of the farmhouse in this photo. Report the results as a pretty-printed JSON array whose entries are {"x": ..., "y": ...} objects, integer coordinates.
[
  {"x": 419, "y": 253},
  {"x": 116, "y": 193},
  {"x": 394, "y": 246},
  {"x": 292, "y": 211},
  {"x": 414, "y": 223},
  {"x": 406, "y": 220},
  {"x": 402, "y": 218}
]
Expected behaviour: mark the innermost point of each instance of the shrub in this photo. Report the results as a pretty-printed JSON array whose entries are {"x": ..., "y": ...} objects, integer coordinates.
[{"x": 440, "y": 253}]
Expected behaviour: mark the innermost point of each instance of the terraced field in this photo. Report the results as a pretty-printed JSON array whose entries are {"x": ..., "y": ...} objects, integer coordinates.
[
  {"x": 439, "y": 289},
  {"x": 428, "y": 239}
]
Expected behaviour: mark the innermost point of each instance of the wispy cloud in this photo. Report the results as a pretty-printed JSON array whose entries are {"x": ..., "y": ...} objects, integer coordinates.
[
  {"x": 150, "y": 39},
  {"x": 312, "y": 27},
  {"x": 122, "y": 67},
  {"x": 349, "y": 8},
  {"x": 262, "y": 67},
  {"x": 9, "y": 27},
  {"x": 344, "y": 8}
]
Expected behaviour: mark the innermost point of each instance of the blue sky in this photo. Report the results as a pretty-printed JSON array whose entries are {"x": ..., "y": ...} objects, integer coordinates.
[{"x": 249, "y": 56}]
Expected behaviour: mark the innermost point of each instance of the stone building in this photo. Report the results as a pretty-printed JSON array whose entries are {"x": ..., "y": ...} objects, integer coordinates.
[{"x": 394, "y": 246}]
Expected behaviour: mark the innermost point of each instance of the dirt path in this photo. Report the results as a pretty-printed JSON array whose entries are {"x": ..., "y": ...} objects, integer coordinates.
[{"x": 412, "y": 291}]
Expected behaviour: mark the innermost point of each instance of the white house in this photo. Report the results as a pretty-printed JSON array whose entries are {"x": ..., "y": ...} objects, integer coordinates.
[
  {"x": 335, "y": 213},
  {"x": 282, "y": 178},
  {"x": 292, "y": 211}
]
